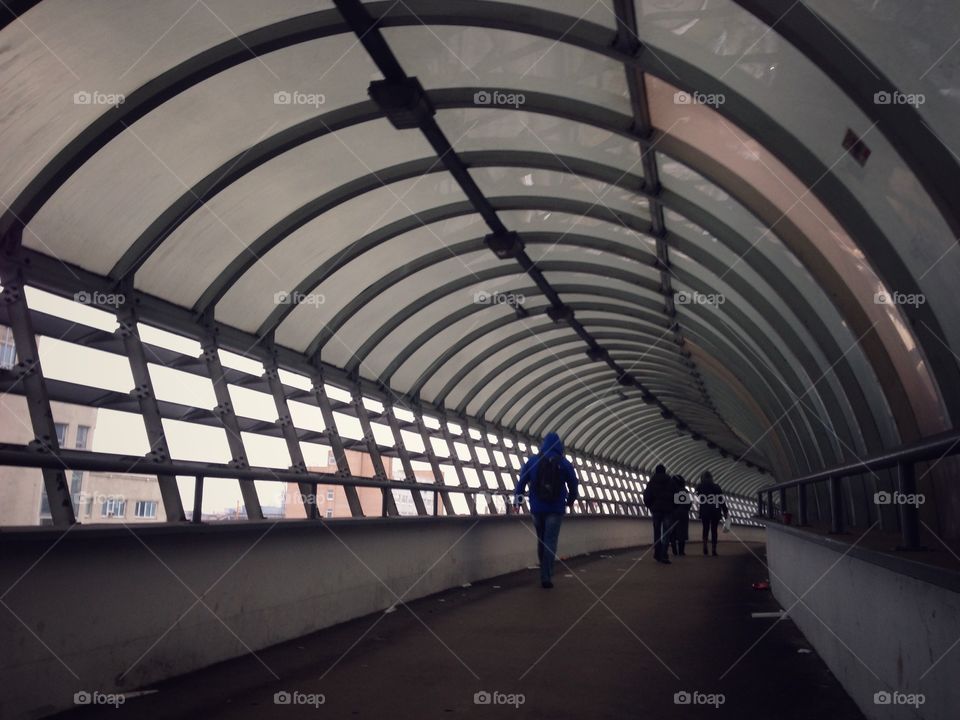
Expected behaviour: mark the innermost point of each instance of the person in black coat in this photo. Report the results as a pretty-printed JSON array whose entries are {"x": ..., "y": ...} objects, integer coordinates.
[
  {"x": 681, "y": 516},
  {"x": 658, "y": 497},
  {"x": 712, "y": 507}
]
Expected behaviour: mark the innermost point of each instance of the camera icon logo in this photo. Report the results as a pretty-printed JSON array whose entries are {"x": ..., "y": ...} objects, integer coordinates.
[
  {"x": 282, "y": 698},
  {"x": 82, "y": 698},
  {"x": 481, "y": 297},
  {"x": 482, "y": 698},
  {"x": 482, "y": 97},
  {"x": 682, "y": 98},
  {"x": 282, "y": 97},
  {"x": 282, "y": 298},
  {"x": 682, "y": 698},
  {"x": 882, "y": 498},
  {"x": 882, "y": 698},
  {"x": 82, "y": 97},
  {"x": 882, "y": 97}
]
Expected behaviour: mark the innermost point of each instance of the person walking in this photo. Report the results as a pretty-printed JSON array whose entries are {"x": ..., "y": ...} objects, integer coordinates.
[
  {"x": 553, "y": 486},
  {"x": 658, "y": 497},
  {"x": 681, "y": 516},
  {"x": 712, "y": 507}
]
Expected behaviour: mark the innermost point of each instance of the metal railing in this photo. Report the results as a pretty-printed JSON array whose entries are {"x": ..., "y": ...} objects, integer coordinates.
[
  {"x": 12, "y": 455},
  {"x": 903, "y": 460}
]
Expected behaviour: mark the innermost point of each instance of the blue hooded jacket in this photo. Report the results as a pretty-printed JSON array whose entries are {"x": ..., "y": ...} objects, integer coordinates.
[{"x": 552, "y": 445}]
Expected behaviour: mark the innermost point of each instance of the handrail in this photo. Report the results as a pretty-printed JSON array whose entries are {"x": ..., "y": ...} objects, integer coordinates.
[
  {"x": 903, "y": 458},
  {"x": 943, "y": 444}
]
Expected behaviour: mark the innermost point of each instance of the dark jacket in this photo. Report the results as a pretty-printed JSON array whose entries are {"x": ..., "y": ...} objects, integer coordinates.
[
  {"x": 552, "y": 445},
  {"x": 681, "y": 514},
  {"x": 658, "y": 495},
  {"x": 712, "y": 503}
]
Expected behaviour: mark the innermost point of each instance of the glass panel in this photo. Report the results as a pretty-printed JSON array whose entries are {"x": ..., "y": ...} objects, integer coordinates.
[
  {"x": 48, "y": 60},
  {"x": 254, "y": 297},
  {"x": 699, "y": 126},
  {"x": 913, "y": 44},
  {"x": 504, "y": 64},
  {"x": 302, "y": 325},
  {"x": 502, "y": 181},
  {"x": 202, "y": 247},
  {"x": 114, "y": 197},
  {"x": 476, "y": 129}
]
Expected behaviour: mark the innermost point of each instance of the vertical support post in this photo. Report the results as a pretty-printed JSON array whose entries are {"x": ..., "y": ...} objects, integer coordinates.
[
  {"x": 149, "y": 409},
  {"x": 30, "y": 374},
  {"x": 308, "y": 492},
  {"x": 458, "y": 466},
  {"x": 198, "y": 499},
  {"x": 434, "y": 464},
  {"x": 770, "y": 508},
  {"x": 335, "y": 441},
  {"x": 836, "y": 505},
  {"x": 404, "y": 455},
  {"x": 388, "y": 507},
  {"x": 783, "y": 502},
  {"x": 228, "y": 418},
  {"x": 760, "y": 504},
  {"x": 909, "y": 512},
  {"x": 802, "y": 518},
  {"x": 478, "y": 467}
]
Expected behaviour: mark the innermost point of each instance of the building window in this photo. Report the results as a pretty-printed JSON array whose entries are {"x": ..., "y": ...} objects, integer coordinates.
[
  {"x": 113, "y": 507},
  {"x": 330, "y": 494},
  {"x": 8, "y": 351},
  {"x": 76, "y": 484},
  {"x": 83, "y": 433},
  {"x": 145, "y": 509},
  {"x": 329, "y": 512},
  {"x": 61, "y": 433}
]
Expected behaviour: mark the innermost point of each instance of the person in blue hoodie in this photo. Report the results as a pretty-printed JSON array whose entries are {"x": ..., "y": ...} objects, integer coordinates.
[{"x": 553, "y": 488}]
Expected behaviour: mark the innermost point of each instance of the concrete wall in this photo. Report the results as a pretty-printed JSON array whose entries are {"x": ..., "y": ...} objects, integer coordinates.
[
  {"x": 100, "y": 597},
  {"x": 881, "y": 623}
]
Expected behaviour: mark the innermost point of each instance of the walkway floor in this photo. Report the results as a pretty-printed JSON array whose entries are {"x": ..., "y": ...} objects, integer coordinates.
[{"x": 617, "y": 637}]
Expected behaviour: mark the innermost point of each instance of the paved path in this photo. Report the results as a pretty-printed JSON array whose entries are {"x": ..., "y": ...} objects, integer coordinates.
[{"x": 617, "y": 637}]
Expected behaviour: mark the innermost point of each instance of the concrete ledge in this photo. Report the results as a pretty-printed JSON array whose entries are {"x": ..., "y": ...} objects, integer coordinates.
[
  {"x": 882, "y": 624},
  {"x": 113, "y": 609}
]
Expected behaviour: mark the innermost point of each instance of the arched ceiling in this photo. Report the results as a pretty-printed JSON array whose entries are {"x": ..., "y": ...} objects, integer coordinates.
[{"x": 698, "y": 206}]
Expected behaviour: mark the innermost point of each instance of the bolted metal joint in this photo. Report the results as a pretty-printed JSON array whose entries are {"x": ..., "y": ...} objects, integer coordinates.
[
  {"x": 505, "y": 245},
  {"x": 560, "y": 313},
  {"x": 404, "y": 102}
]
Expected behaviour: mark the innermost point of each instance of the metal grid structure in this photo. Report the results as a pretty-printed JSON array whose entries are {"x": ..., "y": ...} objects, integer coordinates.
[{"x": 531, "y": 265}]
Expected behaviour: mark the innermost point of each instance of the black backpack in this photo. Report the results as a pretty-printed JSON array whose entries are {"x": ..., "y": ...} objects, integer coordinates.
[{"x": 550, "y": 479}]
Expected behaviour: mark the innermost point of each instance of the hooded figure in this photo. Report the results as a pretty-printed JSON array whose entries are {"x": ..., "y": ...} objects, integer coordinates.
[
  {"x": 553, "y": 487},
  {"x": 658, "y": 496}
]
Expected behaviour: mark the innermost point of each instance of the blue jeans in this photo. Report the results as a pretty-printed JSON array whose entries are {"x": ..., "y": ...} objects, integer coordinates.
[
  {"x": 662, "y": 527},
  {"x": 548, "y": 532}
]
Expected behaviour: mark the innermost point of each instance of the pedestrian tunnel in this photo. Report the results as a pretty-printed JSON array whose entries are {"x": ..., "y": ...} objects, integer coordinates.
[{"x": 291, "y": 294}]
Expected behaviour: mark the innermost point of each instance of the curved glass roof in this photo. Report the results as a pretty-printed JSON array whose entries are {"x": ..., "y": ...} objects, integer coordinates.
[{"x": 726, "y": 228}]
